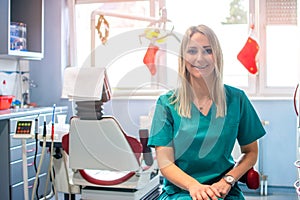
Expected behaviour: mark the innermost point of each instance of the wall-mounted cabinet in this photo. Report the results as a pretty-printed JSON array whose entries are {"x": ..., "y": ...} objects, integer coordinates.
[{"x": 30, "y": 13}]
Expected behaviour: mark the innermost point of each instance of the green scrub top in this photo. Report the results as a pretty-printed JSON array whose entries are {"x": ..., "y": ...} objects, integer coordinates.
[{"x": 203, "y": 144}]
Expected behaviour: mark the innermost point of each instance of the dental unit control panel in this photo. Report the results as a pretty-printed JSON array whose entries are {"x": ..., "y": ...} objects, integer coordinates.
[{"x": 25, "y": 129}]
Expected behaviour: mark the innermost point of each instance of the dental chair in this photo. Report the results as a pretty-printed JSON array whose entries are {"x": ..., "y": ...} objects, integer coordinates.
[{"x": 107, "y": 163}]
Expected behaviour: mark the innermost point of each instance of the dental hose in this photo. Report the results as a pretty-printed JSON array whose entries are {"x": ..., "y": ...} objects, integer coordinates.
[
  {"x": 35, "y": 154},
  {"x": 67, "y": 173},
  {"x": 50, "y": 169},
  {"x": 41, "y": 161}
]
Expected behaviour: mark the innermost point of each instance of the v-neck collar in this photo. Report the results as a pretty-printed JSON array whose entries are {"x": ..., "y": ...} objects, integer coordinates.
[{"x": 209, "y": 111}]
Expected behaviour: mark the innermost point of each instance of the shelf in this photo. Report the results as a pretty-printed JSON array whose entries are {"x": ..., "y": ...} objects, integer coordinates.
[
  {"x": 31, "y": 13},
  {"x": 19, "y": 55}
]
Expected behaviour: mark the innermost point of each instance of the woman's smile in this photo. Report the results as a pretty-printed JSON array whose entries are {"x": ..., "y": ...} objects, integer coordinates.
[{"x": 201, "y": 67}]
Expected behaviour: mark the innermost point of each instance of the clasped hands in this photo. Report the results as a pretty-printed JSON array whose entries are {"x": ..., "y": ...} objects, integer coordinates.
[{"x": 215, "y": 191}]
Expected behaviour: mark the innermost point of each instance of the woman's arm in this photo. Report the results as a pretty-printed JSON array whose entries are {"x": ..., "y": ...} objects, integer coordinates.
[
  {"x": 165, "y": 158},
  {"x": 246, "y": 161}
]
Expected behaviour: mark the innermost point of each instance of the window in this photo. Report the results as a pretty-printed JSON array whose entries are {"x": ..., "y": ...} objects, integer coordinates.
[
  {"x": 279, "y": 35},
  {"x": 275, "y": 31},
  {"x": 123, "y": 53},
  {"x": 231, "y": 29}
]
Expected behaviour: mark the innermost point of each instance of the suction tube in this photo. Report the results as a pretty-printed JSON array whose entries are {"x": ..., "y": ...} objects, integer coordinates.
[
  {"x": 50, "y": 170},
  {"x": 41, "y": 161},
  {"x": 36, "y": 132}
]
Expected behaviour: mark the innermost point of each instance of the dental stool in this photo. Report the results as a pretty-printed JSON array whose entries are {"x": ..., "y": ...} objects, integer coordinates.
[{"x": 107, "y": 163}]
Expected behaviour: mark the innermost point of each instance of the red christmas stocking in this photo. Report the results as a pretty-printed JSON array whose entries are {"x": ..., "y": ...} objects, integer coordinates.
[
  {"x": 149, "y": 58},
  {"x": 248, "y": 54}
]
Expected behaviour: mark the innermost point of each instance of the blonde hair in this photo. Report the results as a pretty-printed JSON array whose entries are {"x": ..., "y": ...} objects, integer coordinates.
[{"x": 183, "y": 95}]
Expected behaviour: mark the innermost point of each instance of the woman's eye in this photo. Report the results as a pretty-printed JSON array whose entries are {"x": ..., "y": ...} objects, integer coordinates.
[
  {"x": 192, "y": 51},
  {"x": 208, "y": 51}
]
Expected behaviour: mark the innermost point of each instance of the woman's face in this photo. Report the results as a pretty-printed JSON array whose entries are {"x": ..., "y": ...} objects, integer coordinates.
[{"x": 199, "y": 56}]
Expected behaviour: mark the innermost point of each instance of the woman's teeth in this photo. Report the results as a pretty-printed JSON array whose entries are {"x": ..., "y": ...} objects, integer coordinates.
[{"x": 201, "y": 67}]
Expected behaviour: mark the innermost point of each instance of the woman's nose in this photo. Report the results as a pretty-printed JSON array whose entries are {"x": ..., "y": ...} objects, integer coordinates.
[{"x": 200, "y": 57}]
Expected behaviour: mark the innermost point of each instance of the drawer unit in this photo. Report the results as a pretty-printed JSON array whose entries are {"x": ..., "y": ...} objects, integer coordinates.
[
  {"x": 16, "y": 162},
  {"x": 17, "y": 191},
  {"x": 16, "y": 152},
  {"x": 17, "y": 142},
  {"x": 17, "y": 174}
]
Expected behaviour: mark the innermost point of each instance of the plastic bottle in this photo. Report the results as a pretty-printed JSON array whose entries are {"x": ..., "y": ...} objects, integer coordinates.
[{"x": 3, "y": 90}]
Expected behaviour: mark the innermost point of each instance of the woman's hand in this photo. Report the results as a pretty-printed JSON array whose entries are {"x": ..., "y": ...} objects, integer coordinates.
[
  {"x": 203, "y": 192},
  {"x": 222, "y": 187}
]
